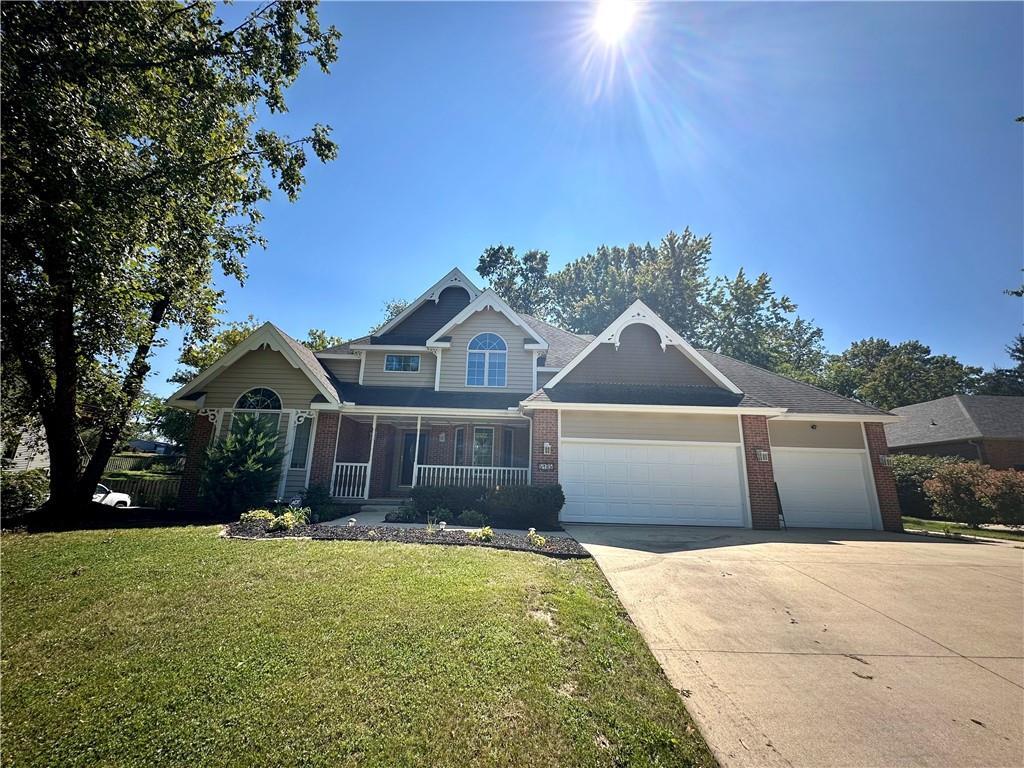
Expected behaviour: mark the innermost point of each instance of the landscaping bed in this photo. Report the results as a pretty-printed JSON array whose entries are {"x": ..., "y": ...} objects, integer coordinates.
[{"x": 554, "y": 546}]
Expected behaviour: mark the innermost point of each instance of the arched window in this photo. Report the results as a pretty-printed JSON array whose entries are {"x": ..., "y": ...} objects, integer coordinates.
[
  {"x": 259, "y": 399},
  {"x": 486, "y": 361}
]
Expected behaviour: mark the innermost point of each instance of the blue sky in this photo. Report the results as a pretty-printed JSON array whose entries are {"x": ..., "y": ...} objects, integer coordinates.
[{"x": 865, "y": 155}]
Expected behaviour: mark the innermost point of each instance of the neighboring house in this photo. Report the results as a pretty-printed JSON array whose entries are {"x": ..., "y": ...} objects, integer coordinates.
[
  {"x": 637, "y": 425},
  {"x": 988, "y": 428},
  {"x": 27, "y": 451}
]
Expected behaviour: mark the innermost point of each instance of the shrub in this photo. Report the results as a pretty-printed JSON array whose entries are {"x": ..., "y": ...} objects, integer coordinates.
[
  {"x": 472, "y": 517},
  {"x": 483, "y": 534},
  {"x": 525, "y": 506},
  {"x": 911, "y": 472},
  {"x": 256, "y": 518},
  {"x": 404, "y": 514},
  {"x": 534, "y": 539},
  {"x": 286, "y": 521},
  {"x": 317, "y": 498},
  {"x": 455, "y": 498},
  {"x": 957, "y": 492},
  {"x": 1004, "y": 495},
  {"x": 241, "y": 469},
  {"x": 441, "y": 513},
  {"x": 22, "y": 492}
]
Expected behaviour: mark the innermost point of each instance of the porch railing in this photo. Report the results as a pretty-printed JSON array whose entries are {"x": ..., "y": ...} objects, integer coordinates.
[
  {"x": 433, "y": 474},
  {"x": 349, "y": 480}
]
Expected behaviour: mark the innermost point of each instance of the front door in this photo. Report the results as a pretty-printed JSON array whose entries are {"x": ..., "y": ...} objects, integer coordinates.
[{"x": 409, "y": 455}]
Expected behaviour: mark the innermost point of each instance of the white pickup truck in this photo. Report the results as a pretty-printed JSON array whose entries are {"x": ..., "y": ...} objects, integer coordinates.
[{"x": 104, "y": 495}]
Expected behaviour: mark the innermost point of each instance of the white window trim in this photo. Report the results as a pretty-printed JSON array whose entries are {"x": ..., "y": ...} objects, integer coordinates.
[
  {"x": 259, "y": 386},
  {"x": 309, "y": 445},
  {"x": 482, "y": 429},
  {"x": 419, "y": 363},
  {"x": 487, "y": 360}
]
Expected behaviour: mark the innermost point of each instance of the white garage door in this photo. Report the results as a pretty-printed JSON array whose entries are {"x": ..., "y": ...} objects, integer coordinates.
[
  {"x": 823, "y": 489},
  {"x": 645, "y": 482}
]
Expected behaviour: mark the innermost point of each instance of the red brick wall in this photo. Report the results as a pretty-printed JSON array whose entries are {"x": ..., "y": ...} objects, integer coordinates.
[
  {"x": 764, "y": 505},
  {"x": 545, "y": 429},
  {"x": 439, "y": 453},
  {"x": 324, "y": 448},
  {"x": 1003, "y": 454},
  {"x": 191, "y": 478},
  {"x": 885, "y": 483}
]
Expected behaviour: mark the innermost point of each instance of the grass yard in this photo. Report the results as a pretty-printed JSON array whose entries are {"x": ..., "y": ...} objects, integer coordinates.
[
  {"x": 942, "y": 526},
  {"x": 176, "y": 647}
]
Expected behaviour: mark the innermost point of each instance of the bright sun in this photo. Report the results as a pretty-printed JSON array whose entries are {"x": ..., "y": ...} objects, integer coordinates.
[{"x": 613, "y": 19}]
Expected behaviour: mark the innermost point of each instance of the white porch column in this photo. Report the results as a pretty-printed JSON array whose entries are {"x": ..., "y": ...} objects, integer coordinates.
[
  {"x": 416, "y": 452},
  {"x": 369, "y": 462}
]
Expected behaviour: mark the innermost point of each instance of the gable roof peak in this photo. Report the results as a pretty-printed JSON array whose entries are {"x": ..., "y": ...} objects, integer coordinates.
[
  {"x": 455, "y": 278},
  {"x": 488, "y": 299}
]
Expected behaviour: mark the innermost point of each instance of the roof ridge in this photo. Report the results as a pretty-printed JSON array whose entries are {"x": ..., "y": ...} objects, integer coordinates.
[
  {"x": 795, "y": 381},
  {"x": 967, "y": 413}
]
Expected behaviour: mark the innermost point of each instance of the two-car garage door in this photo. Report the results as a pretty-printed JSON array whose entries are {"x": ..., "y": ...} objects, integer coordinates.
[
  {"x": 620, "y": 481},
  {"x": 675, "y": 484}
]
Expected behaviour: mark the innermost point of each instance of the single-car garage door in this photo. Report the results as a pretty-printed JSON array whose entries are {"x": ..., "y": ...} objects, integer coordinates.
[
  {"x": 650, "y": 482},
  {"x": 823, "y": 488}
]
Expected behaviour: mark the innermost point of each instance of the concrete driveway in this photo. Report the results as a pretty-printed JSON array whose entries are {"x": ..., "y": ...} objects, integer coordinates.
[{"x": 815, "y": 648}]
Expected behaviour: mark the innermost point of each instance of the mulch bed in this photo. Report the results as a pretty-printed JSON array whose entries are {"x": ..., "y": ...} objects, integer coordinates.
[{"x": 555, "y": 546}]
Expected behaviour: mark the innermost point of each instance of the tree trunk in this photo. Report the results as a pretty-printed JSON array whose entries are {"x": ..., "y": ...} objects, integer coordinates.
[{"x": 114, "y": 423}]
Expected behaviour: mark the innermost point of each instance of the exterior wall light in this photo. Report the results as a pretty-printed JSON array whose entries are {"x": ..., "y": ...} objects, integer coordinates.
[
  {"x": 885, "y": 460},
  {"x": 762, "y": 455},
  {"x": 442, "y": 437},
  {"x": 547, "y": 449}
]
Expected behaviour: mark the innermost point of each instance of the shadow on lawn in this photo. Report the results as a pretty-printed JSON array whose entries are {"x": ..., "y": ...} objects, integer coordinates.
[{"x": 101, "y": 517}]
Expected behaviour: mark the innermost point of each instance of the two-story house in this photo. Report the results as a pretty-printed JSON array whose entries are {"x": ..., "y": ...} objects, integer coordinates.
[{"x": 636, "y": 424}]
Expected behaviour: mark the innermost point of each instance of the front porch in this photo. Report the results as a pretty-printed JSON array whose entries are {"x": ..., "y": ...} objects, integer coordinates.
[{"x": 382, "y": 455}]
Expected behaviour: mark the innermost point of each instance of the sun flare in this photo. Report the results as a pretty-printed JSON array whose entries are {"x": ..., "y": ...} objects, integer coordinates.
[{"x": 613, "y": 19}]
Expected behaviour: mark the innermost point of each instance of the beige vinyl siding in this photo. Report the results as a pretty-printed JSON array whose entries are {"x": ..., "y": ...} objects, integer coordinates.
[
  {"x": 374, "y": 374},
  {"x": 343, "y": 370},
  {"x": 639, "y": 359},
  {"x": 260, "y": 368},
  {"x": 826, "y": 434},
  {"x": 543, "y": 378},
  {"x": 519, "y": 371},
  {"x": 622, "y": 425}
]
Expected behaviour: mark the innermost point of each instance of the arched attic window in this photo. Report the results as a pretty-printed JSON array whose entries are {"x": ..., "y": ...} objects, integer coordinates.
[
  {"x": 259, "y": 399},
  {"x": 486, "y": 361},
  {"x": 262, "y": 402}
]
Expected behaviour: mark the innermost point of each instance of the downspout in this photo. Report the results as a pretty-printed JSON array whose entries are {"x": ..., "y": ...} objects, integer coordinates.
[{"x": 977, "y": 447}]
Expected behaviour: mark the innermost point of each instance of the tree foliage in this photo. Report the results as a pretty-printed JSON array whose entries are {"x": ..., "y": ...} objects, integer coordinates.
[
  {"x": 133, "y": 165},
  {"x": 1006, "y": 381},
  {"x": 891, "y": 375},
  {"x": 521, "y": 281},
  {"x": 738, "y": 316},
  {"x": 392, "y": 308}
]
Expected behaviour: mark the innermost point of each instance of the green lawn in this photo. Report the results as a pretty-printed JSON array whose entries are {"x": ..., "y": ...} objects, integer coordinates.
[
  {"x": 942, "y": 526},
  {"x": 176, "y": 647}
]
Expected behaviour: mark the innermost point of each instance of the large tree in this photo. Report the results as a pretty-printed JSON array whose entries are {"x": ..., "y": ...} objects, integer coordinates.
[
  {"x": 737, "y": 316},
  {"x": 891, "y": 375},
  {"x": 521, "y": 281},
  {"x": 1006, "y": 381},
  {"x": 133, "y": 164}
]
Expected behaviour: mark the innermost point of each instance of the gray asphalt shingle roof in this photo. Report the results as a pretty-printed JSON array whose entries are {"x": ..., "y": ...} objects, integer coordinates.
[
  {"x": 309, "y": 358},
  {"x": 636, "y": 394},
  {"x": 958, "y": 417},
  {"x": 426, "y": 397},
  {"x": 765, "y": 388},
  {"x": 563, "y": 345}
]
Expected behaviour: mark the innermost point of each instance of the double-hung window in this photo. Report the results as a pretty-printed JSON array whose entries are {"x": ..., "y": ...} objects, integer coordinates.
[
  {"x": 402, "y": 363},
  {"x": 486, "y": 361}
]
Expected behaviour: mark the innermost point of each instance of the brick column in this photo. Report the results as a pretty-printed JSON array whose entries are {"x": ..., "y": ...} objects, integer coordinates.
[
  {"x": 353, "y": 441},
  {"x": 439, "y": 453},
  {"x": 885, "y": 483},
  {"x": 764, "y": 506},
  {"x": 191, "y": 478},
  {"x": 545, "y": 430},
  {"x": 325, "y": 447}
]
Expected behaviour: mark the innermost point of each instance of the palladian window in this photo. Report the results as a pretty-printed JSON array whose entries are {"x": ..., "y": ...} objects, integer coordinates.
[{"x": 486, "y": 361}]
